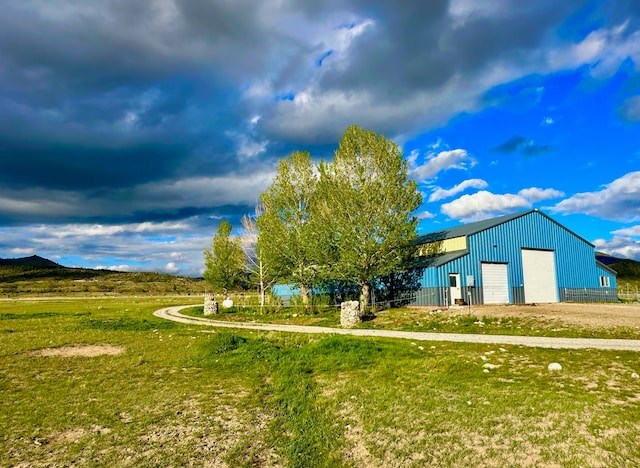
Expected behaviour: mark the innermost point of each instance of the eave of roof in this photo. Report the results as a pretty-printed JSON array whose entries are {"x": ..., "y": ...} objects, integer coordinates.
[{"x": 437, "y": 260}]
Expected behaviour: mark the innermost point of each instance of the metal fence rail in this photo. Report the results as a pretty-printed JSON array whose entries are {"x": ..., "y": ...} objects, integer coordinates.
[{"x": 629, "y": 295}]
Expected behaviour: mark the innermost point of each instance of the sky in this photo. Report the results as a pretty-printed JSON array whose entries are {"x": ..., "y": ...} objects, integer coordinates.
[{"x": 130, "y": 130}]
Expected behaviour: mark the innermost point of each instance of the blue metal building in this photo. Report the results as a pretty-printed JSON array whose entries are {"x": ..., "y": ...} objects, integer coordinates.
[{"x": 521, "y": 258}]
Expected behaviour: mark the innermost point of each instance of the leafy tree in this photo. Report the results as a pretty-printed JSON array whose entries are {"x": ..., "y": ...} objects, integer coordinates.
[
  {"x": 225, "y": 261},
  {"x": 258, "y": 271},
  {"x": 286, "y": 239},
  {"x": 365, "y": 209}
]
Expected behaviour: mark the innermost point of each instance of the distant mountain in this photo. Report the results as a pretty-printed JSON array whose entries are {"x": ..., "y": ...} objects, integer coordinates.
[
  {"x": 34, "y": 261},
  {"x": 625, "y": 267},
  {"x": 36, "y": 275}
]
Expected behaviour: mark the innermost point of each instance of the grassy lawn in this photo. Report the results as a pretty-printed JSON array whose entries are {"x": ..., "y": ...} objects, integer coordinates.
[
  {"x": 177, "y": 395},
  {"x": 421, "y": 320}
]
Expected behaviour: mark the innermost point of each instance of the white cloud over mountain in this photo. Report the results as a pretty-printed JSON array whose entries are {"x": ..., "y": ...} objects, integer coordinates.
[{"x": 618, "y": 200}]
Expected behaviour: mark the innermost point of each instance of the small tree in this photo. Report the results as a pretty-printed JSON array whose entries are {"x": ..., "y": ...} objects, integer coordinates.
[
  {"x": 365, "y": 209},
  {"x": 258, "y": 272},
  {"x": 225, "y": 261},
  {"x": 286, "y": 236}
]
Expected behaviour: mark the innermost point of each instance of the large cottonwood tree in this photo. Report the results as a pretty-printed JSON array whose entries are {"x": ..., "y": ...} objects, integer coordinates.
[
  {"x": 286, "y": 239},
  {"x": 364, "y": 210}
]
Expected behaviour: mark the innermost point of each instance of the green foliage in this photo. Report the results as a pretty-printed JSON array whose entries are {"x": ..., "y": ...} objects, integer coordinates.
[
  {"x": 352, "y": 223},
  {"x": 287, "y": 239},
  {"x": 366, "y": 208},
  {"x": 225, "y": 262},
  {"x": 627, "y": 269}
]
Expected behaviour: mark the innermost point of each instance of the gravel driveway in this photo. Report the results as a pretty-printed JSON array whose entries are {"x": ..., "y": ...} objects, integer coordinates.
[{"x": 173, "y": 313}]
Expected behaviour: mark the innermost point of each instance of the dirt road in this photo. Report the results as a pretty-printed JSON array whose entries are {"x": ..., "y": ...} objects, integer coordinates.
[{"x": 173, "y": 313}]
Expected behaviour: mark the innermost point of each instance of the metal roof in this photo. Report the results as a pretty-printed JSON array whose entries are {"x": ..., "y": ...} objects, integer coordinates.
[
  {"x": 606, "y": 267},
  {"x": 479, "y": 226}
]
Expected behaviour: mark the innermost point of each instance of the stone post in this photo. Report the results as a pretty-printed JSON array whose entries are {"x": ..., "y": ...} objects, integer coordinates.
[
  {"x": 210, "y": 304},
  {"x": 350, "y": 314}
]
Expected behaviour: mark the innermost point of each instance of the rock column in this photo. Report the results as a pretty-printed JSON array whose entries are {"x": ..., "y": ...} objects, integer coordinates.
[
  {"x": 210, "y": 304},
  {"x": 350, "y": 314}
]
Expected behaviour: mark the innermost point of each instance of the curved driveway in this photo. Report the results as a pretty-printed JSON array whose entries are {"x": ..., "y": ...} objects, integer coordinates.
[{"x": 173, "y": 313}]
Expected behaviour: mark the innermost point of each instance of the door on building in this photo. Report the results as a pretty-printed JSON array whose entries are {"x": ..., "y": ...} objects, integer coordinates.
[
  {"x": 495, "y": 283},
  {"x": 455, "y": 289},
  {"x": 539, "y": 273}
]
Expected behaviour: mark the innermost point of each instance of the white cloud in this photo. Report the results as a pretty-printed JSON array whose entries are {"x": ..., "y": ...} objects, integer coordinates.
[
  {"x": 484, "y": 204},
  {"x": 619, "y": 200},
  {"x": 535, "y": 194},
  {"x": 436, "y": 163},
  {"x": 441, "y": 194},
  {"x": 22, "y": 251},
  {"x": 171, "y": 268},
  {"x": 548, "y": 121},
  {"x": 425, "y": 215},
  {"x": 622, "y": 247},
  {"x": 247, "y": 146},
  {"x": 123, "y": 267},
  {"x": 99, "y": 230},
  {"x": 633, "y": 231},
  {"x": 177, "y": 256},
  {"x": 231, "y": 189},
  {"x": 135, "y": 247}
]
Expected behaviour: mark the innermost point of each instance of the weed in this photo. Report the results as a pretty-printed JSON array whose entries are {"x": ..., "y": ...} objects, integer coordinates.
[{"x": 126, "y": 324}]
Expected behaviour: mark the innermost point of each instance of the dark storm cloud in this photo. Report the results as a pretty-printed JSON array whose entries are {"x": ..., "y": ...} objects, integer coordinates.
[
  {"x": 100, "y": 101},
  {"x": 414, "y": 55},
  {"x": 523, "y": 145}
]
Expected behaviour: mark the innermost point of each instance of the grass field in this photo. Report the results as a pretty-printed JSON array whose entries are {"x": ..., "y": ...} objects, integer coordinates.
[{"x": 176, "y": 395}]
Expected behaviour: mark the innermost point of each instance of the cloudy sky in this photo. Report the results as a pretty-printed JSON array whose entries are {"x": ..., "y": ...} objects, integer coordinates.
[{"x": 130, "y": 129}]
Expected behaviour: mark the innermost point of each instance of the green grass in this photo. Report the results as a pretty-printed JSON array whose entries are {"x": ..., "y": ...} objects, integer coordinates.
[
  {"x": 425, "y": 321},
  {"x": 180, "y": 395}
]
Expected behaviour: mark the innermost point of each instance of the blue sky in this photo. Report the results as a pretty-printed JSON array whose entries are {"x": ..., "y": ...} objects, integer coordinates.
[{"x": 129, "y": 130}]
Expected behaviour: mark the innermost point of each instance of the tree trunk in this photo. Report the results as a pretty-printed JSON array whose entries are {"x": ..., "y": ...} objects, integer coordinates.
[
  {"x": 262, "y": 286},
  {"x": 364, "y": 297},
  {"x": 304, "y": 294}
]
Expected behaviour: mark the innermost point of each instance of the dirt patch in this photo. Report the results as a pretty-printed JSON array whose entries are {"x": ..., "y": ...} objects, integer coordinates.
[
  {"x": 79, "y": 350},
  {"x": 591, "y": 315}
]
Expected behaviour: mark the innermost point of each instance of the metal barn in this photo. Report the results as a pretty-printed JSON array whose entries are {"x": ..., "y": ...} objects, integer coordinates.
[{"x": 521, "y": 258}]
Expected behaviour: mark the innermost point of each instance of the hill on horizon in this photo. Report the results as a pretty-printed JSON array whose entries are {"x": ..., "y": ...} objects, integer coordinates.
[
  {"x": 36, "y": 275},
  {"x": 625, "y": 267},
  {"x": 33, "y": 261}
]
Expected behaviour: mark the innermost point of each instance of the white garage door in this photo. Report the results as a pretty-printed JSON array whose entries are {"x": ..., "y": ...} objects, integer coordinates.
[
  {"x": 495, "y": 286},
  {"x": 539, "y": 271}
]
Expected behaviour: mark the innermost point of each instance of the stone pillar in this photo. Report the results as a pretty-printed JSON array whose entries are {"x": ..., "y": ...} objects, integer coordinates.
[
  {"x": 350, "y": 314},
  {"x": 210, "y": 304}
]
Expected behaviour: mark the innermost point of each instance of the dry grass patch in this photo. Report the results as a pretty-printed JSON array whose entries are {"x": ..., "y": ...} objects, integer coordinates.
[{"x": 79, "y": 350}]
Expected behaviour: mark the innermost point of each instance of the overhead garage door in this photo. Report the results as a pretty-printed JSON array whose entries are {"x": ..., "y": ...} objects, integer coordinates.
[
  {"x": 539, "y": 271},
  {"x": 495, "y": 285}
]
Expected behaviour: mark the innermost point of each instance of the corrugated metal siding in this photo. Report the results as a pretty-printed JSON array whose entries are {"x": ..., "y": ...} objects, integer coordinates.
[{"x": 575, "y": 258}]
